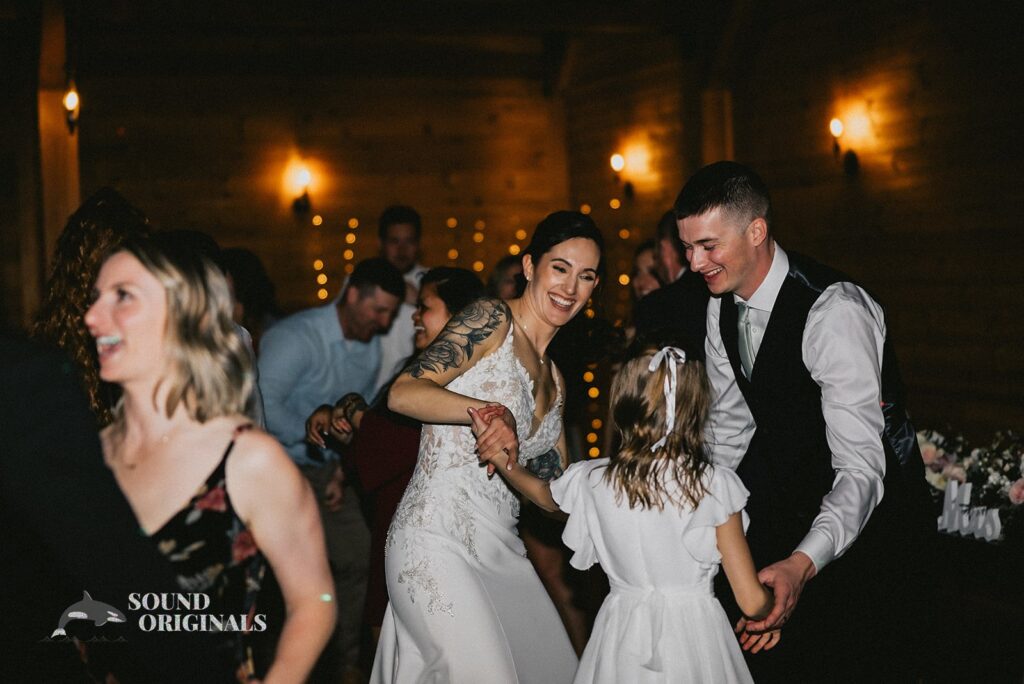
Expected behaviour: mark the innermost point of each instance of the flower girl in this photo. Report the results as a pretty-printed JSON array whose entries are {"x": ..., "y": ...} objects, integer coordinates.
[{"x": 660, "y": 519}]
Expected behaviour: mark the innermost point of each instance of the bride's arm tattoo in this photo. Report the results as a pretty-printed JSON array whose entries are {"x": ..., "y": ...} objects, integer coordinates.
[{"x": 454, "y": 346}]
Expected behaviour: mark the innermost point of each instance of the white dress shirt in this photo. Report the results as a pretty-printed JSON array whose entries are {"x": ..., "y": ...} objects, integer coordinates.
[
  {"x": 397, "y": 345},
  {"x": 842, "y": 350}
]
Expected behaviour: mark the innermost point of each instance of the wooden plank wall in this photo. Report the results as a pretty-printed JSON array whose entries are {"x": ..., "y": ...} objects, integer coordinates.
[
  {"x": 629, "y": 94},
  {"x": 932, "y": 221},
  {"x": 21, "y": 272},
  {"x": 206, "y": 149}
]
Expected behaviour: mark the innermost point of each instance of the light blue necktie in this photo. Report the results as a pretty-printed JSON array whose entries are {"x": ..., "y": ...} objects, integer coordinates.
[{"x": 746, "y": 340}]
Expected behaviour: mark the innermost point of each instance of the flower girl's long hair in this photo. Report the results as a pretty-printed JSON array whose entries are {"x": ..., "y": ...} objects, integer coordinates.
[{"x": 638, "y": 409}]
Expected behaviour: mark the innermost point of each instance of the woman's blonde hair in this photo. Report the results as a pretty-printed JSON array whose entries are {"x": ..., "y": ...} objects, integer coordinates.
[
  {"x": 209, "y": 369},
  {"x": 639, "y": 413}
]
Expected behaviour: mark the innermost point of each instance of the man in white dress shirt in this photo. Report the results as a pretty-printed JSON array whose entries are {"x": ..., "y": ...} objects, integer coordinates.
[
  {"x": 808, "y": 409},
  {"x": 399, "y": 229}
]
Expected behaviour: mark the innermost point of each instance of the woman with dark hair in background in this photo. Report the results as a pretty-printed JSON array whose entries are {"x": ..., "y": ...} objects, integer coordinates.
[
  {"x": 385, "y": 444},
  {"x": 466, "y": 605},
  {"x": 506, "y": 280},
  {"x": 104, "y": 222},
  {"x": 255, "y": 296}
]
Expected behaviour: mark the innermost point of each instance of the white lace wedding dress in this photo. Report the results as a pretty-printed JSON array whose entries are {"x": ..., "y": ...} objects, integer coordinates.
[{"x": 465, "y": 603}]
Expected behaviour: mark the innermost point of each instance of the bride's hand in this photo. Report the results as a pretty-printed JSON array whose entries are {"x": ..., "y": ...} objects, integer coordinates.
[{"x": 496, "y": 438}]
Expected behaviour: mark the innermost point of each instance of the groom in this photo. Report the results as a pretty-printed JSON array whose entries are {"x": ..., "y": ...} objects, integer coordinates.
[{"x": 809, "y": 410}]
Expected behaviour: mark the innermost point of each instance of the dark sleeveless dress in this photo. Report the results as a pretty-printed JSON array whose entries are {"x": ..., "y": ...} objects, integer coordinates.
[{"x": 212, "y": 552}]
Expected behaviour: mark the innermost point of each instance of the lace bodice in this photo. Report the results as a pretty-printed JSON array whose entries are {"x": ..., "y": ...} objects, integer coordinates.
[{"x": 450, "y": 493}]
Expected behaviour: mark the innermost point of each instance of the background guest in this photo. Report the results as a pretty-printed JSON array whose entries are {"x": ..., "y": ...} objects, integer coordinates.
[
  {"x": 506, "y": 280},
  {"x": 399, "y": 230},
  {"x": 306, "y": 361},
  {"x": 255, "y": 299},
  {"x": 103, "y": 223}
]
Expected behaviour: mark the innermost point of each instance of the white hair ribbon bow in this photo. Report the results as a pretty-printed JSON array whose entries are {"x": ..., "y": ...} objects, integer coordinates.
[{"x": 670, "y": 356}]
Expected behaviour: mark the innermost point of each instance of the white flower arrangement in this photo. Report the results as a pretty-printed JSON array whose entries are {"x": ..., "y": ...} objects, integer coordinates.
[{"x": 995, "y": 472}]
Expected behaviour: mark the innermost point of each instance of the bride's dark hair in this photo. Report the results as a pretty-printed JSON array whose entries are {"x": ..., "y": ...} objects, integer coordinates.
[{"x": 560, "y": 226}]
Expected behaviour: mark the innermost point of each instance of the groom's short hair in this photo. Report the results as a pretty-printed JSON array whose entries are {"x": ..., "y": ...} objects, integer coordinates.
[{"x": 728, "y": 185}]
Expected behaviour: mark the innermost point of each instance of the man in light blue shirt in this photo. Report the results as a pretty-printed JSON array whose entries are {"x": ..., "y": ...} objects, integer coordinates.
[{"x": 313, "y": 358}]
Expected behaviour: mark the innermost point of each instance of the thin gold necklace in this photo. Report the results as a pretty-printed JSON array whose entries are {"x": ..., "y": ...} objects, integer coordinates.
[{"x": 526, "y": 332}]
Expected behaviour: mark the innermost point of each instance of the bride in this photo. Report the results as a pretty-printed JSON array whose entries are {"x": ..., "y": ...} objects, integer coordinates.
[{"x": 465, "y": 603}]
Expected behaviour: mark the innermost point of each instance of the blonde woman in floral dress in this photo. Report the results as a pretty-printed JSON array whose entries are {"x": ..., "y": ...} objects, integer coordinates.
[{"x": 218, "y": 498}]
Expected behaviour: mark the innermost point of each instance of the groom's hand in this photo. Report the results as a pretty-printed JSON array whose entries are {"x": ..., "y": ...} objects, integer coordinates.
[{"x": 786, "y": 579}]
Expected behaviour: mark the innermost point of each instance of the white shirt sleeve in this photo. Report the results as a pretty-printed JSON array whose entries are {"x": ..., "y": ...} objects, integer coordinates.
[
  {"x": 842, "y": 349},
  {"x": 730, "y": 425}
]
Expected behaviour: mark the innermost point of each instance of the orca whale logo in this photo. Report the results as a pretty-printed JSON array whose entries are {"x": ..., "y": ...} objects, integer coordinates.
[{"x": 87, "y": 609}]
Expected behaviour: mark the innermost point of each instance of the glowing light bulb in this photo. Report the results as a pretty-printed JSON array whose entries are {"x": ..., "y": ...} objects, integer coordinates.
[
  {"x": 348, "y": 254},
  {"x": 453, "y": 254},
  {"x": 614, "y": 203},
  {"x": 513, "y": 249},
  {"x": 318, "y": 265},
  {"x": 618, "y": 162},
  {"x": 594, "y": 452},
  {"x": 353, "y": 223},
  {"x": 623, "y": 279},
  {"x": 584, "y": 208},
  {"x": 520, "y": 234},
  {"x": 478, "y": 266},
  {"x": 317, "y": 220},
  {"x": 321, "y": 293},
  {"x": 71, "y": 99},
  {"x": 835, "y": 127}
]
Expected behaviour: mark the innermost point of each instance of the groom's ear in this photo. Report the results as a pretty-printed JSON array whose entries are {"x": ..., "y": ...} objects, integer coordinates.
[{"x": 757, "y": 231}]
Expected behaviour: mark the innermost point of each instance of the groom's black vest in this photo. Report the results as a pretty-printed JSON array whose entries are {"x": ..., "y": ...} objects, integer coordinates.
[{"x": 787, "y": 467}]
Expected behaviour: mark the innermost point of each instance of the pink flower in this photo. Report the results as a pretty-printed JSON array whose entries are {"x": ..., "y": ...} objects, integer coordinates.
[
  {"x": 243, "y": 546},
  {"x": 213, "y": 501},
  {"x": 955, "y": 472},
  {"x": 1017, "y": 492}
]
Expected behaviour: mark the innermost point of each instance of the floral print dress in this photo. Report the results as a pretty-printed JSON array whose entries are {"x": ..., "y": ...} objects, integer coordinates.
[{"x": 212, "y": 552}]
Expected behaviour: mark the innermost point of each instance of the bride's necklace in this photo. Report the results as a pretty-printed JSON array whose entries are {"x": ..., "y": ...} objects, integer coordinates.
[{"x": 526, "y": 334}]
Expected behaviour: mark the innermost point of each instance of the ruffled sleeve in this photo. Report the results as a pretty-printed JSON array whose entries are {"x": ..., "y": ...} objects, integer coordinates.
[
  {"x": 726, "y": 495},
  {"x": 568, "y": 492}
]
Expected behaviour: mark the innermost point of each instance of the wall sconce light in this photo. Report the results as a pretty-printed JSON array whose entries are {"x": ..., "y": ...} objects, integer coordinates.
[
  {"x": 849, "y": 160},
  {"x": 618, "y": 164},
  {"x": 72, "y": 107},
  {"x": 301, "y": 205}
]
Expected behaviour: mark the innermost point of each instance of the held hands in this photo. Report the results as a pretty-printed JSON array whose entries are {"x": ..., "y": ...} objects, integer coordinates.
[
  {"x": 329, "y": 421},
  {"x": 318, "y": 425},
  {"x": 759, "y": 641},
  {"x": 786, "y": 579},
  {"x": 497, "y": 442}
]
